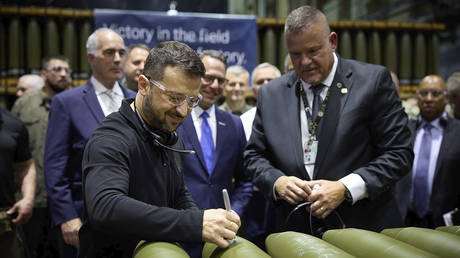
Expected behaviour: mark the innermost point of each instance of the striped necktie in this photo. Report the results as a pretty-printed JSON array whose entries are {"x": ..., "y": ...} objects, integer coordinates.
[{"x": 112, "y": 101}]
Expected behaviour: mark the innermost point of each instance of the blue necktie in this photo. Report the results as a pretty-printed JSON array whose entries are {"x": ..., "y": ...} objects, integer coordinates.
[
  {"x": 207, "y": 144},
  {"x": 421, "y": 196}
]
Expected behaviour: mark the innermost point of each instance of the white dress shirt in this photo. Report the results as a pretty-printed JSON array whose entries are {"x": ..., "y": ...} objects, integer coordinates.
[
  {"x": 247, "y": 118},
  {"x": 102, "y": 97},
  {"x": 198, "y": 121}
]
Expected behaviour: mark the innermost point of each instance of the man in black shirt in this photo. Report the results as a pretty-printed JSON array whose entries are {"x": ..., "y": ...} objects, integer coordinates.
[
  {"x": 132, "y": 180},
  {"x": 15, "y": 160}
]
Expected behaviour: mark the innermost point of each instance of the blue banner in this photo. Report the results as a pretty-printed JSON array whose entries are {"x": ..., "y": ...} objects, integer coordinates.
[{"x": 234, "y": 35}]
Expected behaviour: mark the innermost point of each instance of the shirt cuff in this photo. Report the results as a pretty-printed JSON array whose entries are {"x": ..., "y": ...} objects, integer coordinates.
[
  {"x": 275, "y": 195},
  {"x": 356, "y": 185}
]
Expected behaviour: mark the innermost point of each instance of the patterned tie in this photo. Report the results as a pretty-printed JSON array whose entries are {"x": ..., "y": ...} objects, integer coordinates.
[
  {"x": 112, "y": 104},
  {"x": 316, "y": 100},
  {"x": 421, "y": 196},
  {"x": 207, "y": 144}
]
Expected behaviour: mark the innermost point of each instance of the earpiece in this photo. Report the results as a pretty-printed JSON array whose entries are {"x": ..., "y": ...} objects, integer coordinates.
[{"x": 162, "y": 139}]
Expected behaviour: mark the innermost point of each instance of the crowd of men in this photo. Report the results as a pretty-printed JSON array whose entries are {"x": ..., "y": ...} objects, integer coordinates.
[{"x": 142, "y": 151}]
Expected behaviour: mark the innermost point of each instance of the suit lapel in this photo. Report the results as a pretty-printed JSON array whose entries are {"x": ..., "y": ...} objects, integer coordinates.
[
  {"x": 445, "y": 144},
  {"x": 192, "y": 137},
  {"x": 340, "y": 90},
  {"x": 221, "y": 124},
  {"x": 293, "y": 114},
  {"x": 407, "y": 180},
  {"x": 90, "y": 98}
]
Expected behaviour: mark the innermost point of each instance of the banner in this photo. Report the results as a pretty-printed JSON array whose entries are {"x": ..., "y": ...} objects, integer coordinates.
[{"x": 234, "y": 35}]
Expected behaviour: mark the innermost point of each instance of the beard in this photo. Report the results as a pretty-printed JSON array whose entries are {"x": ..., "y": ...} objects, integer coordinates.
[
  {"x": 151, "y": 116},
  {"x": 59, "y": 86}
]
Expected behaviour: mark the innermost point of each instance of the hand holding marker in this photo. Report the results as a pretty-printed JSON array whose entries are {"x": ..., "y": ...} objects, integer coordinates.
[{"x": 228, "y": 207}]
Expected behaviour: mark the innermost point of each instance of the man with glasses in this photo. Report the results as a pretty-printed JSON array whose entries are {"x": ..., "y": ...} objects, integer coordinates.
[
  {"x": 431, "y": 190},
  {"x": 218, "y": 139},
  {"x": 33, "y": 110},
  {"x": 74, "y": 114},
  {"x": 132, "y": 173}
]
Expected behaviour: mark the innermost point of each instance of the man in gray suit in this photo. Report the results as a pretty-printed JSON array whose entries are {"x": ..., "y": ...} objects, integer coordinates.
[{"x": 332, "y": 132}]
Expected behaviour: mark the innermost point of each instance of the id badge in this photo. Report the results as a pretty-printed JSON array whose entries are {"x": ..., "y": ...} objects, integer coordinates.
[{"x": 310, "y": 153}]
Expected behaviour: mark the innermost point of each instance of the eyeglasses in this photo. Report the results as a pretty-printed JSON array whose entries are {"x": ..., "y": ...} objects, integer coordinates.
[
  {"x": 211, "y": 78},
  {"x": 58, "y": 69},
  {"x": 434, "y": 93},
  {"x": 177, "y": 98}
]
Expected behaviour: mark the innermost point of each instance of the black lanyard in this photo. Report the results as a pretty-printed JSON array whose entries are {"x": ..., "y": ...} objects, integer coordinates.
[{"x": 312, "y": 126}]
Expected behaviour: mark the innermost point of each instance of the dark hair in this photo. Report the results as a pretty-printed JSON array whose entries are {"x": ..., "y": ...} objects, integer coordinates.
[
  {"x": 303, "y": 17},
  {"x": 174, "y": 54},
  {"x": 214, "y": 54},
  {"x": 47, "y": 59},
  {"x": 133, "y": 46}
]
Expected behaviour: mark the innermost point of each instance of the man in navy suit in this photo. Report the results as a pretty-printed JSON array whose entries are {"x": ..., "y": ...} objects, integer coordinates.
[
  {"x": 332, "y": 132},
  {"x": 74, "y": 114},
  {"x": 219, "y": 146},
  {"x": 431, "y": 190}
]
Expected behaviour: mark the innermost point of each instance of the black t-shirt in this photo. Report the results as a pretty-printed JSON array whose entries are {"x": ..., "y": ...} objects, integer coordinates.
[{"x": 14, "y": 148}]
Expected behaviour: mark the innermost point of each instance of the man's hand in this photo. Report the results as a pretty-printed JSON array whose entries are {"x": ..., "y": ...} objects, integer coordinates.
[
  {"x": 24, "y": 208},
  {"x": 326, "y": 198},
  {"x": 292, "y": 189},
  {"x": 219, "y": 226},
  {"x": 69, "y": 231},
  {"x": 25, "y": 173}
]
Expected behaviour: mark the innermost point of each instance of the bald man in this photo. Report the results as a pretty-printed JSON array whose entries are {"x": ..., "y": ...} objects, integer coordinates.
[
  {"x": 431, "y": 190},
  {"x": 28, "y": 83}
]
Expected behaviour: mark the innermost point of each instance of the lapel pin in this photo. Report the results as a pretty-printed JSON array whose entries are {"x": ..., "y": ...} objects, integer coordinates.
[
  {"x": 344, "y": 91},
  {"x": 221, "y": 123},
  {"x": 339, "y": 85},
  {"x": 320, "y": 113}
]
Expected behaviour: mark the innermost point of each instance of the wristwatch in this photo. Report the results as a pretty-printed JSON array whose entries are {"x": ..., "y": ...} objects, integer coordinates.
[{"x": 348, "y": 197}]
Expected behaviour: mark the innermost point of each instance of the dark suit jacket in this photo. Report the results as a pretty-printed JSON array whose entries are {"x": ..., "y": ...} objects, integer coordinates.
[
  {"x": 205, "y": 189},
  {"x": 364, "y": 131},
  {"x": 74, "y": 115},
  {"x": 445, "y": 193}
]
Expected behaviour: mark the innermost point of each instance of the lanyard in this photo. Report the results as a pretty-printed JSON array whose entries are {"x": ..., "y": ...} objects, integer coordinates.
[{"x": 313, "y": 125}]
